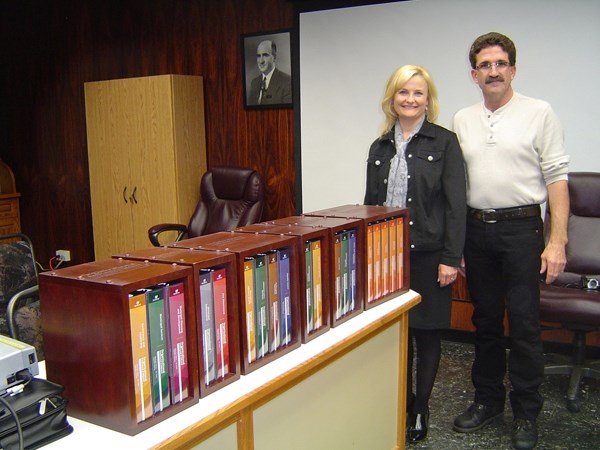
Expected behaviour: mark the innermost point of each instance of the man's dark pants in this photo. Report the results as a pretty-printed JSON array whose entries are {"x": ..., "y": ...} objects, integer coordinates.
[{"x": 502, "y": 267}]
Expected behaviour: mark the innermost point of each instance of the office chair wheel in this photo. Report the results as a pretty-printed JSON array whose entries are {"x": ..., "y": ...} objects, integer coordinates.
[{"x": 573, "y": 405}]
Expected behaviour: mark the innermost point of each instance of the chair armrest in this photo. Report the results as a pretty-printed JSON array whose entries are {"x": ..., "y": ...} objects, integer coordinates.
[
  {"x": 14, "y": 303},
  {"x": 155, "y": 232}
]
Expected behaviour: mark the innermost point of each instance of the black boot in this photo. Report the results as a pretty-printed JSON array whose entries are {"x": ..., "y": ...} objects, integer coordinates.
[
  {"x": 417, "y": 429},
  {"x": 476, "y": 417},
  {"x": 524, "y": 434}
]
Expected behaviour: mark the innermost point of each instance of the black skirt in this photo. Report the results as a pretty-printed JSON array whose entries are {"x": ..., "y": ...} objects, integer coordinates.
[{"x": 434, "y": 310}]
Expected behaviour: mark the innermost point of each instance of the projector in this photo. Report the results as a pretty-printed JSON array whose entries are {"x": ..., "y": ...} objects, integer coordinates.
[{"x": 15, "y": 357}]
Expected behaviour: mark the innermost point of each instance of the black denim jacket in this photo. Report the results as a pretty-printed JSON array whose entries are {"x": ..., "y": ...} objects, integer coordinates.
[{"x": 436, "y": 193}]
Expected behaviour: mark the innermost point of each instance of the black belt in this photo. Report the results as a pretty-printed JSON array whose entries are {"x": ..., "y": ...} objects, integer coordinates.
[{"x": 494, "y": 215}]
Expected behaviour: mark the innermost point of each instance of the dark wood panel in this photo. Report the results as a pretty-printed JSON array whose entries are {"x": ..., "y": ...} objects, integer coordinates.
[{"x": 50, "y": 49}]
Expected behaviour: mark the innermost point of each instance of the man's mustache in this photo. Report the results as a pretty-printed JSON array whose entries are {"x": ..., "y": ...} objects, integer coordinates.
[{"x": 489, "y": 80}]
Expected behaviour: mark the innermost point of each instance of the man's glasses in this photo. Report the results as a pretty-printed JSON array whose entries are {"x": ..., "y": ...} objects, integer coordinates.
[{"x": 499, "y": 65}]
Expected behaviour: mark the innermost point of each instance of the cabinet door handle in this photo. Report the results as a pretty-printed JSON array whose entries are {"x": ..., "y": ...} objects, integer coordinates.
[
  {"x": 124, "y": 195},
  {"x": 132, "y": 198}
]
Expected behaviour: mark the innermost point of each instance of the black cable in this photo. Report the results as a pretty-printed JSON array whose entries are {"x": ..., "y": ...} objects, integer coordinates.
[
  {"x": 17, "y": 421},
  {"x": 24, "y": 376}
]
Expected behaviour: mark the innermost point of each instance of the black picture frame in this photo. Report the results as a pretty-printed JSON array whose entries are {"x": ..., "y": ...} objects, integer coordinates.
[{"x": 279, "y": 93}]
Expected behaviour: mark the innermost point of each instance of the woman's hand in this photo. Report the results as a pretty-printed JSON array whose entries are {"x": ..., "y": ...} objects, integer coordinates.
[{"x": 446, "y": 274}]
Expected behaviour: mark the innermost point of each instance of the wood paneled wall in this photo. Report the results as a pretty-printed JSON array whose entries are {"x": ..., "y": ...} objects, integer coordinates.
[{"x": 50, "y": 49}]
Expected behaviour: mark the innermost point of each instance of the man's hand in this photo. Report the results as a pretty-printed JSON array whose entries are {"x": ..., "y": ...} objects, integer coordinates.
[
  {"x": 554, "y": 256},
  {"x": 554, "y": 259}
]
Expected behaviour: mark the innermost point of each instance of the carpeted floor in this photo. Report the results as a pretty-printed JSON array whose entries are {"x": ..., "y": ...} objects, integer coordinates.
[{"x": 558, "y": 427}]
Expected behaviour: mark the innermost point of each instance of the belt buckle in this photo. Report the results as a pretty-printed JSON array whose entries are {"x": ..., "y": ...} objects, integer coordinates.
[{"x": 485, "y": 212}]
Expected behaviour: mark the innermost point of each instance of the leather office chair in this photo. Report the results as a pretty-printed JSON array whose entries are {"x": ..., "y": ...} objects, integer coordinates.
[
  {"x": 566, "y": 301},
  {"x": 19, "y": 291},
  {"x": 230, "y": 197}
]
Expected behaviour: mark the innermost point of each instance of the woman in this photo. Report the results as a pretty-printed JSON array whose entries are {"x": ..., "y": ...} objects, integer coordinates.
[{"x": 417, "y": 164}]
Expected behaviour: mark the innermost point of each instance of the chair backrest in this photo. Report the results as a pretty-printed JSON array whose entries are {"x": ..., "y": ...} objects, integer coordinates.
[
  {"x": 230, "y": 197},
  {"x": 583, "y": 248},
  {"x": 18, "y": 270}
]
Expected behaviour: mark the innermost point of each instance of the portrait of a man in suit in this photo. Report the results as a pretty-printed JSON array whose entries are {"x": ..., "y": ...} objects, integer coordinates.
[{"x": 272, "y": 86}]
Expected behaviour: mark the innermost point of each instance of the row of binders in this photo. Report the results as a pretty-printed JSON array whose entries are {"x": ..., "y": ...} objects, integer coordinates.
[
  {"x": 267, "y": 311},
  {"x": 158, "y": 348},
  {"x": 385, "y": 257},
  {"x": 157, "y": 313},
  {"x": 345, "y": 272},
  {"x": 214, "y": 324}
]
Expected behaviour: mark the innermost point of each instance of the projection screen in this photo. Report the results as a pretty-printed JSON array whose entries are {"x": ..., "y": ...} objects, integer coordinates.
[{"x": 347, "y": 54}]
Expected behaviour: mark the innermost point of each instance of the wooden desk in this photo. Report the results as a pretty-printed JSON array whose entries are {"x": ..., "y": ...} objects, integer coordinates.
[{"x": 344, "y": 388}]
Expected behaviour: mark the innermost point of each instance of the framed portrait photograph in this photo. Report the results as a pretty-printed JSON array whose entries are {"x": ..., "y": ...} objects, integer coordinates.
[{"x": 267, "y": 66}]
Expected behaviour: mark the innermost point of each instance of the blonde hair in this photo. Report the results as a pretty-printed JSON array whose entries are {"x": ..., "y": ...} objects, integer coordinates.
[{"x": 398, "y": 79}]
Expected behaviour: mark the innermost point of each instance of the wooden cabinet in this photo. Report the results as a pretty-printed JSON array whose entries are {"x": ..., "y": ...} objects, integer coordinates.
[
  {"x": 147, "y": 153},
  {"x": 88, "y": 338},
  {"x": 10, "y": 219}
]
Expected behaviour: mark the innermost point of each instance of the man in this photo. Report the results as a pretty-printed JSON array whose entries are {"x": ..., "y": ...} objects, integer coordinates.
[
  {"x": 272, "y": 86},
  {"x": 515, "y": 160}
]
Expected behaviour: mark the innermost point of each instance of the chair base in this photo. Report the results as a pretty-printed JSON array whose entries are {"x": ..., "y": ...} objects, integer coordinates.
[{"x": 562, "y": 365}]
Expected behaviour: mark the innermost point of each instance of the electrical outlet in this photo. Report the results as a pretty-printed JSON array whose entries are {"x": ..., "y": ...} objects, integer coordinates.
[{"x": 63, "y": 255}]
